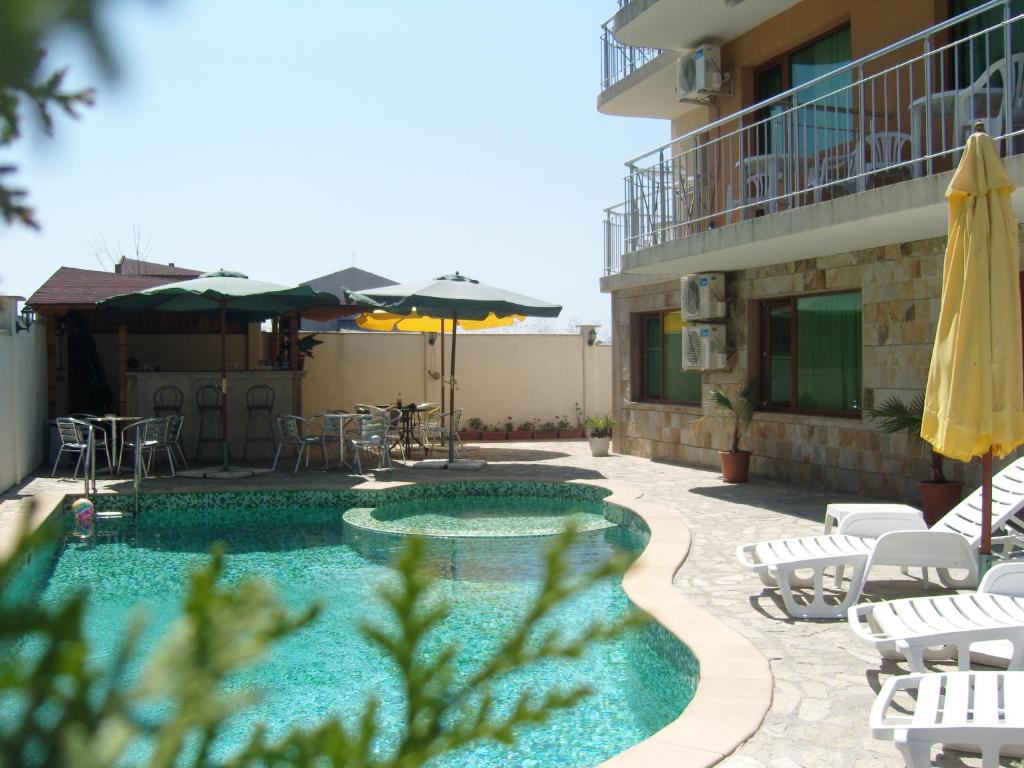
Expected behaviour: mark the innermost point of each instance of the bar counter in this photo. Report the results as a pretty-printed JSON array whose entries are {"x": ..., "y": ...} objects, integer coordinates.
[{"x": 286, "y": 385}]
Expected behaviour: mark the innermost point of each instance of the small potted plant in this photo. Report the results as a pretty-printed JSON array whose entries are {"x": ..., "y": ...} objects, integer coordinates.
[
  {"x": 305, "y": 349},
  {"x": 522, "y": 432},
  {"x": 567, "y": 430},
  {"x": 475, "y": 425},
  {"x": 599, "y": 433},
  {"x": 938, "y": 495},
  {"x": 740, "y": 407}
]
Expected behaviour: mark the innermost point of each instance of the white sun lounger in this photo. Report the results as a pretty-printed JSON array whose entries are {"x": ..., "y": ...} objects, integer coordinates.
[
  {"x": 939, "y": 627},
  {"x": 972, "y": 711},
  {"x": 881, "y": 537}
]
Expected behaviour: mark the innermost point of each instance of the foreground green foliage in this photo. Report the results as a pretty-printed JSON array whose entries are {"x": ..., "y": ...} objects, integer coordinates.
[
  {"x": 60, "y": 710},
  {"x": 26, "y": 82}
]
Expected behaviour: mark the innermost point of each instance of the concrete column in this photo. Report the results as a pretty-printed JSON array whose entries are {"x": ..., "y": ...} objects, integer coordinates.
[{"x": 588, "y": 335}]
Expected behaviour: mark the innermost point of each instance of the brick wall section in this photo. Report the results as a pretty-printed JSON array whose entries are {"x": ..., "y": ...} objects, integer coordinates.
[{"x": 900, "y": 289}]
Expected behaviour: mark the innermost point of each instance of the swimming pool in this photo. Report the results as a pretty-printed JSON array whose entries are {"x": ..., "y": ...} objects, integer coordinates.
[{"x": 299, "y": 542}]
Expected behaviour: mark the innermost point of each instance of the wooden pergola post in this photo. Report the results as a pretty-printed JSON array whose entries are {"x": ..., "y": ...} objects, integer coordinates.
[
  {"x": 122, "y": 369},
  {"x": 293, "y": 344}
]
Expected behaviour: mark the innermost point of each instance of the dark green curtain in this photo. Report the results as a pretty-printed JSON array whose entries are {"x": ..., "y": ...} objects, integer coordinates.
[
  {"x": 663, "y": 350},
  {"x": 780, "y": 319},
  {"x": 974, "y": 56},
  {"x": 829, "y": 352},
  {"x": 828, "y": 122}
]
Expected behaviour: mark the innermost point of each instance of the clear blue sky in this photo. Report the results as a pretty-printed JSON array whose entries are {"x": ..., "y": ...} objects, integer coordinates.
[{"x": 279, "y": 137}]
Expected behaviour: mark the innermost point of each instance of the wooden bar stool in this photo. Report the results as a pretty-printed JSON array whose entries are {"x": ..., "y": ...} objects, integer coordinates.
[
  {"x": 259, "y": 421},
  {"x": 208, "y": 403}
]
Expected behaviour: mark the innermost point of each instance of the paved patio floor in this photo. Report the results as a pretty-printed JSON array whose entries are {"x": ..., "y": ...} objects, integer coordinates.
[{"x": 825, "y": 680}]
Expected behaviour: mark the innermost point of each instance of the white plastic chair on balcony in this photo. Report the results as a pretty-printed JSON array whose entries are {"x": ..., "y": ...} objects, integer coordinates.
[
  {"x": 884, "y": 152},
  {"x": 985, "y": 99}
]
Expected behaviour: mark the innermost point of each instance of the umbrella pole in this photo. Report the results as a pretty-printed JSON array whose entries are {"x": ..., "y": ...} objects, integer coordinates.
[
  {"x": 442, "y": 367},
  {"x": 451, "y": 393},
  {"x": 985, "y": 550},
  {"x": 224, "y": 384}
]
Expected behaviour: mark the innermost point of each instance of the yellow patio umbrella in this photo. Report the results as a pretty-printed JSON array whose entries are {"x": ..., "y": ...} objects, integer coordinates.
[
  {"x": 974, "y": 401},
  {"x": 380, "y": 320}
]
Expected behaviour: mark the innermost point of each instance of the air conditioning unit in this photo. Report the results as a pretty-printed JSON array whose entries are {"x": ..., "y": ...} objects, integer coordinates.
[
  {"x": 704, "y": 347},
  {"x": 703, "y": 296},
  {"x": 699, "y": 74}
]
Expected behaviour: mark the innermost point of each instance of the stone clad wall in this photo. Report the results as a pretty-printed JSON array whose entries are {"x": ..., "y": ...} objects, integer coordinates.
[{"x": 900, "y": 289}]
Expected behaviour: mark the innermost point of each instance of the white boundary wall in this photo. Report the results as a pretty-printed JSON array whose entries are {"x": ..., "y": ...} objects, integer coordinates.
[
  {"x": 500, "y": 376},
  {"x": 22, "y": 395}
]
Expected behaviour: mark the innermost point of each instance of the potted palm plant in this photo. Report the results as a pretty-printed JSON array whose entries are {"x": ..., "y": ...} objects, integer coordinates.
[
  {"x": 938, "y": 495},
  {"x": 740, "y": 407},
  {"x": 599, "y": 433}
]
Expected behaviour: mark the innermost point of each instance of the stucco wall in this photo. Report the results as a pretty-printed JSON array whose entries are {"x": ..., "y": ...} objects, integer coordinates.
[
  {"x": 900, "y": 289},
  {"x": 22, "y": 396},
  {"x": 499, "y": 376}
]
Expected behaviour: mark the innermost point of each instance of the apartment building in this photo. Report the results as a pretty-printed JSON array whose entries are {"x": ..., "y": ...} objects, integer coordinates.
[{"x": 810, "y": 146}]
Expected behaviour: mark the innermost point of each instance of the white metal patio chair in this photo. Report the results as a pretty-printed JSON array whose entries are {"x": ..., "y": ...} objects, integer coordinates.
[
  {"x": 145, "y": 437},
  {"x": 943, "y": 627},
  {"x": 377, "y": 434},
  {"x": 99, "y": 434},
  {"x": 72, "y": 440},
  {"x": 961, "y": 710},
  {"x": 445, "y": 424},
  {"x": 869, "y": 538},
  {"x": 295, "y": 432}
]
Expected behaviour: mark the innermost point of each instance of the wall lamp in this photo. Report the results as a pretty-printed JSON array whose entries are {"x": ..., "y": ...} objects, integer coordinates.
[
  {"x": 25, "y": 319},
  {"x": 431, "y": 338},
  {"x": 591, "y": 337}
]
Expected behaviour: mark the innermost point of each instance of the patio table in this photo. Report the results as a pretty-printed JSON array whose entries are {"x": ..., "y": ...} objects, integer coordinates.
[
  {"x": 112, "y": 420},
  {"x": 343, "y": 419}
]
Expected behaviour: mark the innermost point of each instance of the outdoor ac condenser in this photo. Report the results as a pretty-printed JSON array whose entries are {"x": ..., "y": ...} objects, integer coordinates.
[
  {"x": 704, "y": 347},
  {"x": 703, "y": 296},
  {"x": 699, "y": 74}
]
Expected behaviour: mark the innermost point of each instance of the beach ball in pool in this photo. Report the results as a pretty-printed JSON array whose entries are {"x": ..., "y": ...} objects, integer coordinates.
[{"x": 84, "y": 512}]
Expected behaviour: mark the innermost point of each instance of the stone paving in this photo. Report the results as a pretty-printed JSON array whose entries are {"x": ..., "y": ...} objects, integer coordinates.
[{"x": 825, "y": 680}]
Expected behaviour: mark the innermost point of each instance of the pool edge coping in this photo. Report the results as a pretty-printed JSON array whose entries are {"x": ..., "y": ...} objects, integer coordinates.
[{"x": 734, "y": 690}]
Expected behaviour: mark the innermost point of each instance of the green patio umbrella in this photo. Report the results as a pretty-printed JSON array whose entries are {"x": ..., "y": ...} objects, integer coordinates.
[
  {"x": 232, "y": 296},
  {"x": 452, "y": 297}
]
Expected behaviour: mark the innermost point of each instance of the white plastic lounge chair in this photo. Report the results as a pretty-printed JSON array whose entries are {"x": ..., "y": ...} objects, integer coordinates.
[
  {"x": 939, "y": 627},
  {"x": 972, "y": 711},
  {"x": 886, "y": 537}
]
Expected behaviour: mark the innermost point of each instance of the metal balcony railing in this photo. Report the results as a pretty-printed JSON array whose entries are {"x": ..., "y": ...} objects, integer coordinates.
[
  {"x": 618, "y": 60},
  {"x": 901, "y": 112}
]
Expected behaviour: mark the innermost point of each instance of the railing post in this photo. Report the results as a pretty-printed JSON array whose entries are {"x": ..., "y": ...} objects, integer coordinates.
[
  {"x": 861, "y": 178},
  {"x": 927, "y": 61},
  {"x": 1008, "y": 84}
]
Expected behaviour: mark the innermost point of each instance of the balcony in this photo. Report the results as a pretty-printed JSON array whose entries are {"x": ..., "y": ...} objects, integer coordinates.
[
  {"x": 855, "y": 158},
  {"x": 636, "y": 81},
  {"x": 683, "y": 24}
]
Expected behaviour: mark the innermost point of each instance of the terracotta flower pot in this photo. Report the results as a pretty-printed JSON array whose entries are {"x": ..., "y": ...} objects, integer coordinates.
[
  {"x": 546, "y": 435},
  {"x": 493, "y": 435},
  {"x": 468, "y": 434},
  {"x": 938, "y": 498},
  {"x": 571, "y": 433},
  {"x": 519, "y": 434},
  {"x": 735, "y": 466}
]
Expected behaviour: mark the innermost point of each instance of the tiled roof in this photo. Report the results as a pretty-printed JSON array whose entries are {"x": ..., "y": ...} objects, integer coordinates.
[
  {"x": 69, "y": 285},
  {"x": 152, "y": 269},
  {"x": 353, "y": 278}
]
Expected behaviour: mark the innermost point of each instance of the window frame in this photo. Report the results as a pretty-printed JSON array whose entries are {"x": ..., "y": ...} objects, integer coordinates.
[
  {"x": 764, "y": 353},
  {"x": 642, "y": 394}
]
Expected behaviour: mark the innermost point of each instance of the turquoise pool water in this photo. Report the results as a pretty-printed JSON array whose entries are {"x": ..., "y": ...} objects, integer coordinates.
[{"x": 642, "y": 681}]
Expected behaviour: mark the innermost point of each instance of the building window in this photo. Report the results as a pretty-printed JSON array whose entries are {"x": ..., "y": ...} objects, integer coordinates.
[
  {"x": 662, "y": 376},
  {"x": 811, "y": 353},
  {"x": 826, "y": 119}
]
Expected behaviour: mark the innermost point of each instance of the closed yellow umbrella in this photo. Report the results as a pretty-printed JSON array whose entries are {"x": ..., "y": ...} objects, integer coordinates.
[{"x": 974, "y": 401}]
